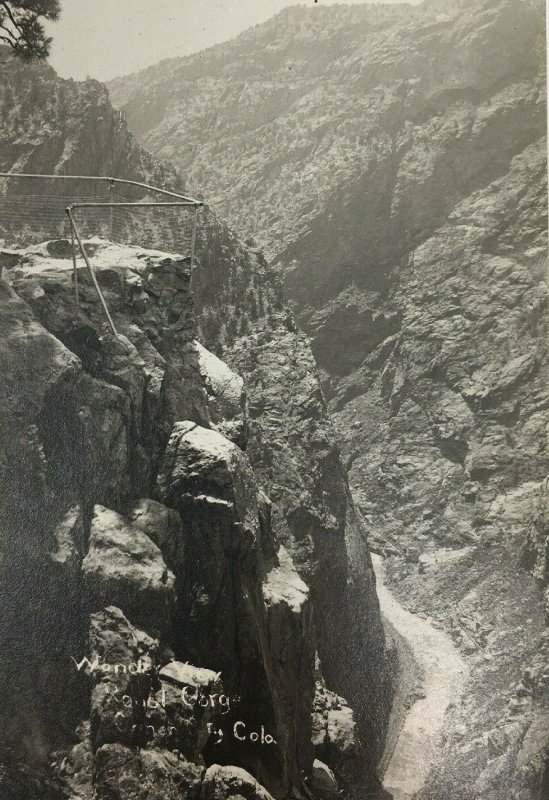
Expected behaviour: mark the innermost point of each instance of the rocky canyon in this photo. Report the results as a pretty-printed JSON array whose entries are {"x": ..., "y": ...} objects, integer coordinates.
[
  {"x": 303, "y": 493},
  {"x": 191, "y": 601},
  {"x": 390, "y": 162}
]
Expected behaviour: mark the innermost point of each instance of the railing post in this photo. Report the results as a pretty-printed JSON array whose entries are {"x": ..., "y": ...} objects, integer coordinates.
[
  {"x": 174, "y": 200},
  {"x": 111, "y": 217},
  {"x": 193, "y": 246},
  {"x": 75, "y": 271},
  {"x": 90, "y": 269}
]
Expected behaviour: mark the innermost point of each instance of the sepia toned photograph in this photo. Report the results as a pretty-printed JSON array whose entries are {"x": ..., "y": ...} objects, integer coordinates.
[{"x": 274, "y": 400}]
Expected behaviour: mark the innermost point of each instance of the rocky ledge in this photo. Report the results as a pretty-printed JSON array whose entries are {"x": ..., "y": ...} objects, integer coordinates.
[{"x": 158, "y": 628}]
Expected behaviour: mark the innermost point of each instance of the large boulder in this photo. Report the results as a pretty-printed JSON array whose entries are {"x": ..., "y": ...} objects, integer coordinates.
[
  {"x": 201, "y": 463},
  {"x": 163, "y": 526},
  {"x": 122, "y": 773},
  {"x": 323, "y": 782},
  {"x": 226, "y": 396},
  {"x": 221, "y": 783},
  {"x": 33, "y": 364},
  {"x": 123, "y": 567}
]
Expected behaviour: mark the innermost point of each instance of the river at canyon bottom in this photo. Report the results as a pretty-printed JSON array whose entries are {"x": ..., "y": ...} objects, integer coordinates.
[{"x": 443, "y": 674}]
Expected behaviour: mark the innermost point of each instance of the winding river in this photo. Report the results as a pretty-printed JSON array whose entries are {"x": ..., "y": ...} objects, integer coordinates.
[{"x": 443, "y": 676}]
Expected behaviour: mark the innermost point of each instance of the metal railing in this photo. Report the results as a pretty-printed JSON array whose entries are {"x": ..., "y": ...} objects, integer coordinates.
[{"x": 40, "y": 215}]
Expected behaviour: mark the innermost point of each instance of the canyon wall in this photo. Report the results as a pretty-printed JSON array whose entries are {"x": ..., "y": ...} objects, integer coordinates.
[
  {"x": 391, "y": 162},
  {"x": 56, "y": 126},
  {"x": 173, "y": 511},
  {"x": 121, "y": 495}
]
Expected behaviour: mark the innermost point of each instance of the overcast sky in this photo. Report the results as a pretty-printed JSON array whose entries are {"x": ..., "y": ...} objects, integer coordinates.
[{"x": 105, "y": 38}]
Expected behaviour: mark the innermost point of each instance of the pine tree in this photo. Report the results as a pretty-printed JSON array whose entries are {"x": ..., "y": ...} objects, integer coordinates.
[{"x": 21, "y": 27}]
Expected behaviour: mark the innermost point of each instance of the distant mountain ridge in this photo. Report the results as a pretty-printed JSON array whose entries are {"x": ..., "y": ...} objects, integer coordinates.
[{"x": 323, "y": 110}]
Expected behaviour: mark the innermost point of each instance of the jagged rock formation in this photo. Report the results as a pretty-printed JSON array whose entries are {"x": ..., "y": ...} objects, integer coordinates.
[
  {"x": 123, "y": 492},
  {"x": 156, "y": 377},
  {"x": 296, "y": 455},
  {"x": 392, "y": 162},
  {"x": 56, "y": 126},
  {"x": 86, "y": 446},
  {"x": 460, "y": 456}
]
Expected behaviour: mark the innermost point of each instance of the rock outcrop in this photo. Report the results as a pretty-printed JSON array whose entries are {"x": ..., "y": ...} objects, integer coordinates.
[
  {"x": 65, "y": 127},
  {"x": 243, "y": 609},
  {"x": 226, "y": 397},
  {"x": 124, "y": 568},
  {"x": 123, "y": 491},
  {"x": 102, "y": 433}
]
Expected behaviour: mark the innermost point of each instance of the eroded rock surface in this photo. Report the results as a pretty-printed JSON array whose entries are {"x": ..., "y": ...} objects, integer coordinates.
[
  {"x": 294, "y": 451},
  {"x": 392, "y": 163},
  {"x": 226, "y": 396},
  {"x": 124, "y": 568},
  {"x": 166, "y": 379},
  {"x": 123, "y": 492},
  {"x": 221, "y": 783},
  {"x": 246, "y": 611},
  {"x": 400, "y": 185}
]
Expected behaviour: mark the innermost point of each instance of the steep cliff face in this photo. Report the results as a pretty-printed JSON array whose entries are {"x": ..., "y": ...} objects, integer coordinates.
[
  {"x": 296, "y": 454},
  {"x": 119, "y": 492},
  {"x": 126, "y": 486},
  {"x": 377, "y": 118},
  {"x": 446, "y": 441},
  {"x": 392, "y": 162}
]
